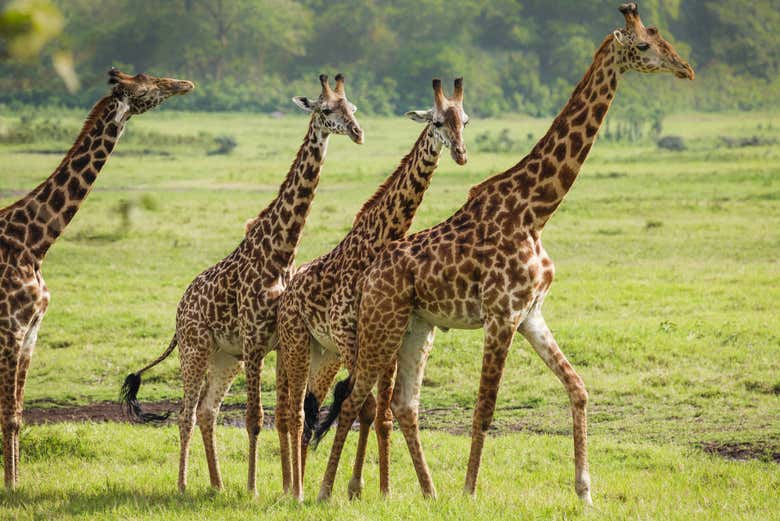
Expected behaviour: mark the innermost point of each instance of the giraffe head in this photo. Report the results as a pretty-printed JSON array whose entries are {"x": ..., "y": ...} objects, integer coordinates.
[
  {"x": 143, "y": 92},
  {"x": 645, "y": 50},
  {"x": 447, "y": 119},
  {"x": 332, "y": 112}
]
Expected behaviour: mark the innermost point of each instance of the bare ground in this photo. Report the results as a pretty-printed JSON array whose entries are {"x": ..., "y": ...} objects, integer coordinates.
[{"x": 440, "y": 418}]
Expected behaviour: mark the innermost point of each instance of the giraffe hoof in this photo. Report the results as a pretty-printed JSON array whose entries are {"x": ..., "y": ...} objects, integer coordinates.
[
  {"x": 586, "y": 499},
  {"x": 355, "y": 488},
  {"x": 324, "y": 495}
]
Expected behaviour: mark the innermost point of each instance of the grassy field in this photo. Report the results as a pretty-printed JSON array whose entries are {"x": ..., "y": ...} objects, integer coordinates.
[{"x": 665, "y": 300}]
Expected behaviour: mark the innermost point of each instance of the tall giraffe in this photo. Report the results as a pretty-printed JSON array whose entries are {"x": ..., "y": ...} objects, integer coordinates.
[
  {"x": 485, "y": 267},
  {"x": 30, "y": 226},
  {"x": 317, "y": 320},
  {"x": 227, "y": 316}
]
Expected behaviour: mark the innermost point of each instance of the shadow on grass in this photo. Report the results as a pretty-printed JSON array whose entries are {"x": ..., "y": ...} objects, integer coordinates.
[{"x": 115, "y": 498}]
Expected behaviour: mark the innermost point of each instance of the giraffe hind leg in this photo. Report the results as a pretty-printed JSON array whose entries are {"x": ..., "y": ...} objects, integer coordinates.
[
  {"x": 222, "y": 370},
  {"x": 535, "y": 330},
  {"x": 194, "y": 361},
  {"x": 405, "y": 403}
]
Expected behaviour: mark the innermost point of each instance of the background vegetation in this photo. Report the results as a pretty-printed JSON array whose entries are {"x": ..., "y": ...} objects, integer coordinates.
[{"x": 516, "y": 56}]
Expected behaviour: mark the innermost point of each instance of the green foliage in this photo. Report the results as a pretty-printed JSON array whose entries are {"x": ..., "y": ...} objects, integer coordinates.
[{"x": 253, "y": 55}]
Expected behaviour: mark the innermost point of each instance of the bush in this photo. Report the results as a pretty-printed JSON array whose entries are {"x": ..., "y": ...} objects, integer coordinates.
[{"x": 673, "y": 143}]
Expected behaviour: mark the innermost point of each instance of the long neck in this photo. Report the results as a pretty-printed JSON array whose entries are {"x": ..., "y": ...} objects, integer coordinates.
[
  {"x": 539, "y": 182},
  {"x": 276, "y": 232},
  {"x": 388, "y": 214},
  {"x": 37, "y": 220}
]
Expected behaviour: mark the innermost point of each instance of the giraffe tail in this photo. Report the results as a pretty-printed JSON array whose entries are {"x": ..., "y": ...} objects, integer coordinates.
[
  {"x": 340, "y": 393},
  {"x": 128, "y": 395},
  {"x": 311, "y": 411}
]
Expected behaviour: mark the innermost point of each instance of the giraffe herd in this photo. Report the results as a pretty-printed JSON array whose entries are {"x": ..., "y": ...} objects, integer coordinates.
[{"x": 370, "y": 305}]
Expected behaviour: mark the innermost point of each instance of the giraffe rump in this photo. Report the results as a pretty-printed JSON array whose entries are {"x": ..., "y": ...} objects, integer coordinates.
[{"x": 341, "y": 392}]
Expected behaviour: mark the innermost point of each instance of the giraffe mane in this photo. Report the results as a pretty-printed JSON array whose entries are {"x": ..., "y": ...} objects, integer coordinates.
[
  {"x": 249, "y": 224},
  {"x": 385, "y": 186},
  {"x": 477, "y": 189},
  {"x": 89, "y": 122}
]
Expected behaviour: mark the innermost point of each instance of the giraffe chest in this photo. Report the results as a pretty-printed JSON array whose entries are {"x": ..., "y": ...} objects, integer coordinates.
[{"x": 26, "y": 296}]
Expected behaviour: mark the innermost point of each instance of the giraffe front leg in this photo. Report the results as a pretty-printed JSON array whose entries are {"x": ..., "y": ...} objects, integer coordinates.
[
  {"x": 383, "y": 425},
  {"x": 535, "y": 330},
  {"x": 21, "y": 377},
  {"x": 498, "y": 338},
  {"x": 294, "y": 349},
  {"x": 11, "y": 420},
  {"x": 366, "y": 416},
  {"x": 254, "y": 413},
  {"x": 282, "y": 421}
]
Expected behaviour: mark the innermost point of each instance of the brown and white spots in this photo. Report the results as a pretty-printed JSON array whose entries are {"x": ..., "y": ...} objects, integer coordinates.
[
  {"x": 227, "y": 316},
  {"x": 318, "y": 312},
  {"x": 491, "y": 269},
  {"x": 28, "y": 228}
]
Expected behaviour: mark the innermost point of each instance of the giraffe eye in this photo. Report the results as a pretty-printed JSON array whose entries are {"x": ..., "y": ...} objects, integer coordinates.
[
  {"x": 437, "y": 124},
  {"x": 643, "y": 46},
  {"x": 326, "y": 111}
]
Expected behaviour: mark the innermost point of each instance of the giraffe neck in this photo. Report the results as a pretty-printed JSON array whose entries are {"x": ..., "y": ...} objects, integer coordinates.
[
  {"x": 276, "y": 232},
  {"x": 388, "y": 214},
  {"x": 539, "y": 182},
  {"x": 34, "y": 222}
]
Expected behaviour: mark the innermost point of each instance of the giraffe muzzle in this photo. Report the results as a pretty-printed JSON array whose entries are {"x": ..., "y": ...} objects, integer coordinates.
[
  {"x": 459, "y": 155},
  {"x": 356, "y": 135}
]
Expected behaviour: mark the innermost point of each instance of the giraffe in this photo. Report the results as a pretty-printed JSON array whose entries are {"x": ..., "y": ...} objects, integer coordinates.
[
  {"x": 227, "y": 316},
  {"x": 485, "y": 267},
  {"x": 31, "y": 225},
  {"x": 317, "y": 318}
]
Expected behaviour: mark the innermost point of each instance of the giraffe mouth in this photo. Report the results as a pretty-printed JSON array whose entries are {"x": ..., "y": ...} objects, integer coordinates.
[
  {"x": 356, "y": 135},
  {"x": 685, "y": 72}
]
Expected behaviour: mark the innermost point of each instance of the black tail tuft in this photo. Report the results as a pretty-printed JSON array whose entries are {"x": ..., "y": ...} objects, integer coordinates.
[
  {"x": 340, "y": 393},
  {"x": 128, "y": 399},
  {"x": 311, "y": 411}
]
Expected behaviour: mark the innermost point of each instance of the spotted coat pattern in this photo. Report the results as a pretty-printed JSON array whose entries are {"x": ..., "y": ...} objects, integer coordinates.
[
  {"x": 30, "y": 226},
  {"x": 485, "y": 267},
  {"x": 317, "y": 319},
  {"x": 226, "y": 318}
]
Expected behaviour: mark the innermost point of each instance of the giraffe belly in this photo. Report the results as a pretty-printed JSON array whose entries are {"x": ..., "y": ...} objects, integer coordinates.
[
  {"x": 445, "y": 321},
  {"x": 230, "y": 344},
  {"x": 325, "y": 341}
]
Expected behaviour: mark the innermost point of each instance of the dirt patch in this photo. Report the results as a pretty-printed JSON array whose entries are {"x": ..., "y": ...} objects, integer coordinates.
[
  {"x": 231, "y": 414},
  {"x": 454, "y": 420},
  {"x": 742, "y": 451}
]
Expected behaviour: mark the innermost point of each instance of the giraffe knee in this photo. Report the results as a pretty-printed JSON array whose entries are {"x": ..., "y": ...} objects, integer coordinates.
[
  {"x": 12, "y": 425},
  {"x": 205, "y": 416},
  {"x": 254, "y": 422},
  {"x": 368, "y": 410},
  {"x": 579, "y": 396}
]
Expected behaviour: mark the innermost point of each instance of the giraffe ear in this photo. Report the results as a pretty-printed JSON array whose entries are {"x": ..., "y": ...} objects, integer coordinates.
[
  {"x": 122, "y": 107},
  {"x": 620, "y": 37},
  {"x": 304, "y": 103},
  {"x": 420, "y": 116}
]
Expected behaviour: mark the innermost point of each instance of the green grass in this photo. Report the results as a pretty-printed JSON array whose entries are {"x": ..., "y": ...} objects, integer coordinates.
[
  {"x": 129, "y": 472},
  {"x": 665, "y": 300}
]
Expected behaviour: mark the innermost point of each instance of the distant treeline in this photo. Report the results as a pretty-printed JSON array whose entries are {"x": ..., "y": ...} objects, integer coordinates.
[{"x": 516, "y": 56}]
